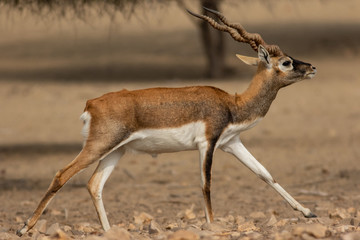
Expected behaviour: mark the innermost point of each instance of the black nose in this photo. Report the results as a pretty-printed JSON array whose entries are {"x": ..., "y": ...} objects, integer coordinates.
[{"x": 314, "y": 68}]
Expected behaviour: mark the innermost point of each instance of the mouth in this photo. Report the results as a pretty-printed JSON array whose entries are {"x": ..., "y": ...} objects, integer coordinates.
[{"x": 310, "y": 74}]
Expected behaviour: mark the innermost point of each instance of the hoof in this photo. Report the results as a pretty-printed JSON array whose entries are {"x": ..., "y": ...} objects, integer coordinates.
[
  {"x": 19, "y": 233},
  {"x": 22, "y": 231},
  {"x": 310, "y": 215}
]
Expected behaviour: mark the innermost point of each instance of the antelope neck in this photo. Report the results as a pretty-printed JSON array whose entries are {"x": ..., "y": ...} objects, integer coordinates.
[{"x": 256, "y": 100}]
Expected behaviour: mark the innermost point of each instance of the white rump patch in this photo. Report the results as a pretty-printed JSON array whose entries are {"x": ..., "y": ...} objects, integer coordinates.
[{"x": 85, "y": 117}]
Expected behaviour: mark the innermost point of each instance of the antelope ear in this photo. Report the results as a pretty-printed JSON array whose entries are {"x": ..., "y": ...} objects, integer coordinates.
[
  {"x": 264, "y": 56},
  {"x": 248, "y": 60}
]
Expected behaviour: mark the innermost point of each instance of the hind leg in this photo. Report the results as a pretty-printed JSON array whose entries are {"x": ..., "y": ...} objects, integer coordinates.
[
  {"x": 97, "y": 181},
  {"x": 89, "y": 154}
]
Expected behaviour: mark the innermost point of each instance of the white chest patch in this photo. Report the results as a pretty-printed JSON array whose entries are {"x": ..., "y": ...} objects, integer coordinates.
[
  {"x": 153, "y": 141},
  {"x": 234, "y": 130}
]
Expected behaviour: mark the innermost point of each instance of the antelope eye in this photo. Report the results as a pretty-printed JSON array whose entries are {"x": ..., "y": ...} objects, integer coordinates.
[{"x": 286, "y": 63}]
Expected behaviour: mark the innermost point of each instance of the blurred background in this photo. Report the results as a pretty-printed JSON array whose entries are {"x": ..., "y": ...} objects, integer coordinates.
[
  {"x": 49, "y": 45},
  {"x": 54, "y": 55}
]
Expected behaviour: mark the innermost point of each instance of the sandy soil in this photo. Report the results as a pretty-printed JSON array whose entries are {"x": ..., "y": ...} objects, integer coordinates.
[{"x": 309, "y": 140}]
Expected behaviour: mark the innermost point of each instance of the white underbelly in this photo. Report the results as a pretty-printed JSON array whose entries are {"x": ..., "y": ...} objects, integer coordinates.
[{"x": 153, "y": 141}]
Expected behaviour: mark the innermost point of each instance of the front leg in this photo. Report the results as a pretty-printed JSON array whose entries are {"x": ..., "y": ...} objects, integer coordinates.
[
  {"x": 206, "y": 156},
  {"x": 236, "y": 148}
]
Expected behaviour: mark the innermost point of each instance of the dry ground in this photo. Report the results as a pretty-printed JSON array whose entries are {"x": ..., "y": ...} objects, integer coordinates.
[{"x": 309, "y": 140}]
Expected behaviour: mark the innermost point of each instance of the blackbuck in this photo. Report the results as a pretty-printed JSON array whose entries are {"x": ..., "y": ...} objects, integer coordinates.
[{"x": 162, "y": 120}]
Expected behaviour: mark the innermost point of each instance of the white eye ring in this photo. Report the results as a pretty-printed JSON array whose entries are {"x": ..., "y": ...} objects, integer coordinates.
[{"x": 286, "y": 63}]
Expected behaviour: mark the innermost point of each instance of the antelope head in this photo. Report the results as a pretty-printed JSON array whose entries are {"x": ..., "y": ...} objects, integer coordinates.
[{"x": 270, "y": 57}]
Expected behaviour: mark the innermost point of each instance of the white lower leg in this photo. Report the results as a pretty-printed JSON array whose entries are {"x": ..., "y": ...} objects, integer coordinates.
[
  {"x": 205, "y": 183},
  {"x": 293, "y": 203},
  {"x": 208, "y": 220},
  {"x": 99, "y": 205},
  {"x": 97, "y": 182},
  {"x": 239, "y": 151}
]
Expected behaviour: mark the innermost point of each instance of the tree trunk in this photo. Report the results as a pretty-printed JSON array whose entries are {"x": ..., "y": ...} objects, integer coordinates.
[{"x": 213, "y": 42}]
